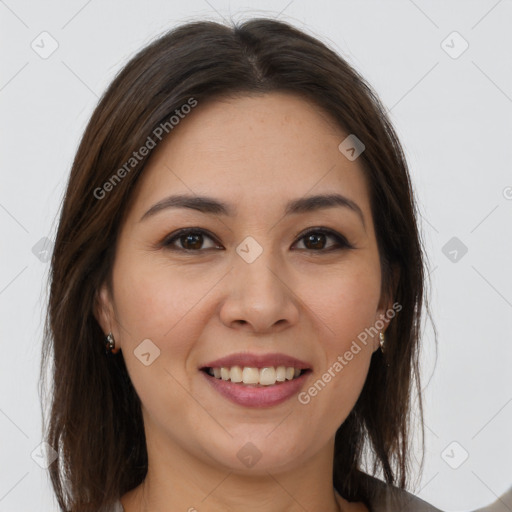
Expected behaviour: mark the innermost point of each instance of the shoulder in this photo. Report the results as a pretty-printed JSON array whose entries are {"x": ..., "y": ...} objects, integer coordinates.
[{"x": 387, "y": 498}]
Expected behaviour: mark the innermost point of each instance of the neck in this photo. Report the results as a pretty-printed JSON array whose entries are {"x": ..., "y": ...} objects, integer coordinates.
[{"x": 179, "y": 480}]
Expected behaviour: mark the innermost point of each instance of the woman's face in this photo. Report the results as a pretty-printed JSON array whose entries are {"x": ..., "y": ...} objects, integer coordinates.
[{"x": 252, "y": 283}]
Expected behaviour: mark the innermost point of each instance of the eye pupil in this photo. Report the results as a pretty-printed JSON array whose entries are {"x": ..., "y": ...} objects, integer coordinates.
[
  {"x": 197, "y": 237},
  {"x": 317, "y": 240}
]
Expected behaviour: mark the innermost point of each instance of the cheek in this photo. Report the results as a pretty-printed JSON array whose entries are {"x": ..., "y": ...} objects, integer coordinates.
[
  {"x": 341, "y": 306},
  {"x": 154, "y": 299},
  {"x": 346, "y": 302},
  {"x": 346, "y": 305},
  {"x": 158, "y": 303}
]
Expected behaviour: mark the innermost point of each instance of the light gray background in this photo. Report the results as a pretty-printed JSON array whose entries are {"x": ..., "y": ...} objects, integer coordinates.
[{"x": 453, "y": 116}]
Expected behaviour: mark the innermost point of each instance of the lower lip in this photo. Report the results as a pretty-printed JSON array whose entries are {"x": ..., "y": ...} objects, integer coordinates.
[{"x": 257, "y": 396}]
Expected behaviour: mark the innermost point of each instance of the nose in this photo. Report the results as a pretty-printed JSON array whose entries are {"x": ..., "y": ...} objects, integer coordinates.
[{"x": 260, "y": 296}]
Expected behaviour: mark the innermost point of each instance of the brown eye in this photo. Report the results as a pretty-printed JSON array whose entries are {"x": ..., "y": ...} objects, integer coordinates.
[
  {"x": 188, "y": 239},
  {"x": 315, "y": 240},
  {"x": 191, "y": 241}
]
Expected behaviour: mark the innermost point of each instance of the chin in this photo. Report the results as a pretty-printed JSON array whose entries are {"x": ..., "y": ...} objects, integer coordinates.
[{"x": 257, "y": 451}]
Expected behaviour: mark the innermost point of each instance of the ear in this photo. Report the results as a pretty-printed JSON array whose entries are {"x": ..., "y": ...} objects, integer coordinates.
[
  {"x": 387, "y": 310},
  {"x": 104, "y": 311}
]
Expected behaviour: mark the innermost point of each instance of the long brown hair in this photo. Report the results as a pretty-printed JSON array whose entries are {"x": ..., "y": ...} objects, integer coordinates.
[{"x": 95, "y": 421}]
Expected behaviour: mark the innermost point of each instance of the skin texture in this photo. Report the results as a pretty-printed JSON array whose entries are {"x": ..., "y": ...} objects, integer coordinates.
[{"x": 256, "y": 152}]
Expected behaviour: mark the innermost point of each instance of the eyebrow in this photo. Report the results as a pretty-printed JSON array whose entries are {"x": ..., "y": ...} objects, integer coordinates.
[{"x": 209, "y": 205}]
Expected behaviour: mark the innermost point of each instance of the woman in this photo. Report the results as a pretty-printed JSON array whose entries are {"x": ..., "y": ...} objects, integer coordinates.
[{"x": 236, "y": 286}]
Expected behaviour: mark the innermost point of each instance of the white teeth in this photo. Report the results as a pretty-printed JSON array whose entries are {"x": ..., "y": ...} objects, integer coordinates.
[
  {"x": 248, "y": 375},
  {"x": 267, "y": 376},
  {"x": 235, "y": 374}
]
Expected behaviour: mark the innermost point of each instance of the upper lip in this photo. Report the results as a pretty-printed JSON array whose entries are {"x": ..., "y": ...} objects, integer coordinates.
[{"x": 257, "y": 361}]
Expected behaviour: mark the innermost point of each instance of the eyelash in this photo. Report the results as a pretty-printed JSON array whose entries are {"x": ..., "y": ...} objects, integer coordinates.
[{"x": 341, "y": 241}]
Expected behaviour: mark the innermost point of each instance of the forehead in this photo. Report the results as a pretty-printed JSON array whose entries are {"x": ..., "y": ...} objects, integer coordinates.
[{"x": 249, "y": 149}]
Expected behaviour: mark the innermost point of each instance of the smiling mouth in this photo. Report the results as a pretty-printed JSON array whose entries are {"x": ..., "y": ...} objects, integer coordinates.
[{"x": 255, "y": 377}]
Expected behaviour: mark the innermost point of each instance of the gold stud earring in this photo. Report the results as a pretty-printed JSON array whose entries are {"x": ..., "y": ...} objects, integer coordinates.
[
  {"x": 381, "y": 341},
  {"x": 110, "y": 344}
]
